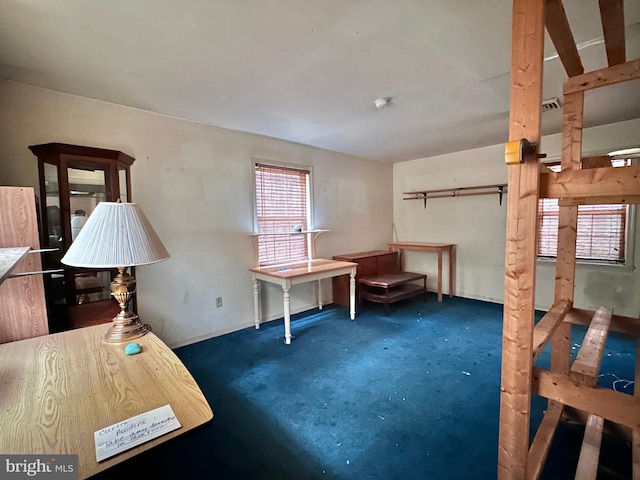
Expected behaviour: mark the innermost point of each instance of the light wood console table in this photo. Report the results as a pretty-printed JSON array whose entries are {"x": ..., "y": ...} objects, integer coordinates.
[
  {"x": 433, "y": 247},
  {"x": 291, "y": 274},
  {"x": 57, "y": 390}
]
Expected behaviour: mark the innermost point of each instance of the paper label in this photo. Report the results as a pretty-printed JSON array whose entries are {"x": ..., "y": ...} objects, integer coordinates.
[{"x": 134, "y": 431}]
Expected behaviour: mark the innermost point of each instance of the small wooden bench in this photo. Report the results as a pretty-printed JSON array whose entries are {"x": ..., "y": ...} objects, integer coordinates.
[{"x": 391, "y": 287}]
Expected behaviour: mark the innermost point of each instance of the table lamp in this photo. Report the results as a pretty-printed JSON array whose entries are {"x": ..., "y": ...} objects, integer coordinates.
[{"x": 118, "y": 235}]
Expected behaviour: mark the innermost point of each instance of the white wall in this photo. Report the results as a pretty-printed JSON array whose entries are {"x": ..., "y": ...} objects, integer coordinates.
[
  {"x": 194, "y": 182},
  {"x": 477, "y": 224}
]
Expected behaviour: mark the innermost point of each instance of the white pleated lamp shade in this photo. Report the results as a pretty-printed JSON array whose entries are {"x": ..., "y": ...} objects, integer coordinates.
[{"x": 116, "y": 235}]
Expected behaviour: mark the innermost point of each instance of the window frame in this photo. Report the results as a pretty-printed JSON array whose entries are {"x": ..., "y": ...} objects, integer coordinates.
[
  {"x": 629, "y": 248},
  {"x": 310, "y": 217}
]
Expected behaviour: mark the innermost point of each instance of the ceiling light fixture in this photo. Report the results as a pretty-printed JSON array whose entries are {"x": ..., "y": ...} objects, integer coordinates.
[
  {"x": 382, "y": 102},
  {"x": 627, "y": 151}
]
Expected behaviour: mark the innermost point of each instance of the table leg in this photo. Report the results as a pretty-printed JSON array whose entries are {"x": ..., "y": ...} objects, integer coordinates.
[
  {"x": 452, "y": 269},
  {"x": 352, "y": 294},
  {"x": 256, "y": 301},
  {"x": 424, "y": 282},
  {"x": 320, "y": 294},
  {"x": 387, "y": 307},
  {"x": 440, "y": 275},
  {"x": 287, "y": 314}
]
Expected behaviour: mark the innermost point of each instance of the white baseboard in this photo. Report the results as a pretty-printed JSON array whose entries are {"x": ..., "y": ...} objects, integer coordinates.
[{"x": 242, "y": 326}]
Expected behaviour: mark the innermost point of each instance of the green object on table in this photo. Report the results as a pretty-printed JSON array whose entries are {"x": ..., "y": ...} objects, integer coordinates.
[{"x": 132, "y": 349}]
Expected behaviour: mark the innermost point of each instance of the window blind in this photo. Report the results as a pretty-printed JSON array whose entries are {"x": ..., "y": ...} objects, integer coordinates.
[
  {"x": 282, "y": 204},
  {"x": 600, "y": 236},
  {"x": 601, "y": 232}
]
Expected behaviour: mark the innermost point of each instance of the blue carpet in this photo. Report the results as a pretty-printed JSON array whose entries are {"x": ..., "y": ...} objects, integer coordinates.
[{"x": 410, "y": 395}]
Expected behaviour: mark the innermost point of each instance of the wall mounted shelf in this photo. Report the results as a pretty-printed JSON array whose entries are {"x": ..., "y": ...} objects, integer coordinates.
[{"x": 498, "y": 188}]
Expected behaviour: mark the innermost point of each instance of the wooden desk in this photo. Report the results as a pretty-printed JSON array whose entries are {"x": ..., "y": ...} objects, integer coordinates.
[
  {"x": 302, "y": 272},
  {"x": 57, "y": 390},
  {"x": 433, "y": 247}
]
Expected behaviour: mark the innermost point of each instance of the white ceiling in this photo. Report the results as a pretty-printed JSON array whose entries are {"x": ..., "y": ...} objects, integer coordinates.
[{"x": 307, "y": 71}]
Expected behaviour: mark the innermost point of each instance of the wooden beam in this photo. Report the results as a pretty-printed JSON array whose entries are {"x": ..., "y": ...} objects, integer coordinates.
[
  {"x": 612, "y": 14},
  {"x": 590, "y": 451},
  {"x": 548, "y": 324},
  {"x": 544, "y": 168},
  {"x": 572, "y": 120},
  {"x": 598, "y": 161},
  {"x": 603, "y": 77},
  {"x": 594, "y": 182},
  {"x": 608, "y": 200},
  {"x": 586, "y": 366},
  {"x": 615, "y": 406},
  {"x": 619, "y": 323},
  {"x": 555, "y": 20},
  {"x": 527, "y": 51},
  {"x": 542, "y": 441},
  {"x": 573, "y": 415},
  {"x": 572, "y": 125}
]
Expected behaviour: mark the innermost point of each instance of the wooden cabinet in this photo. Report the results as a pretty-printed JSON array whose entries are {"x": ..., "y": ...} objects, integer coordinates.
[
  {"x": 376, "y": 262},
  {"x": 24, "y": 312},
  {"x": 73, "y": 180}
]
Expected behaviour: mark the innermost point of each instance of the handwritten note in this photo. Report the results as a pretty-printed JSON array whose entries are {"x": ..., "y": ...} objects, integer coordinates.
[{"x": 134, "y": 431}]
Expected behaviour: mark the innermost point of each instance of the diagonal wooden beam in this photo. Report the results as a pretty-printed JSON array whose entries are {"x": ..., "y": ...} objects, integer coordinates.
[
  {"x": 590, "y": 451},
  {"x": 555, "y": 19},
  {"x": 612, "y": 14},
  {"x": 603, "y": 77},
  {"x": 548, "y": 324},
  {"x": 542, "y": 441}
]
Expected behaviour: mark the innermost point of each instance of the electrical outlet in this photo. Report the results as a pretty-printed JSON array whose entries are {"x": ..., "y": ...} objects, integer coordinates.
[{"x": 218, "y": 302}]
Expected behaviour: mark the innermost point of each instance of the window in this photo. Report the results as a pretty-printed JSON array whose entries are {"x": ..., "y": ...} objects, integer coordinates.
[
  {"x": 282, "y": 206},
  {"x": 602, "y": 229}
]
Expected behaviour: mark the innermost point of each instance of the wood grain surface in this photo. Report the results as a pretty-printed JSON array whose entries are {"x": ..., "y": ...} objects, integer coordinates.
[
  {"x": 57, "y": 390},
  {"x": 24, "y": 311}
]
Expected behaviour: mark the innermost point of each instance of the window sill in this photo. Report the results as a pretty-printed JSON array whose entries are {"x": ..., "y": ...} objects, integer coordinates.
[
  {"x": 587, "y": 265},
  {"x": 302, "y": 232}
]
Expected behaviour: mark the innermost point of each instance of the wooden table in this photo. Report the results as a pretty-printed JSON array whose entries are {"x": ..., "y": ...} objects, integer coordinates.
[
  {"x": 433, "y": 247},
  {"x": 57, "y": 390},
  {"x": 301, "y": 272}
]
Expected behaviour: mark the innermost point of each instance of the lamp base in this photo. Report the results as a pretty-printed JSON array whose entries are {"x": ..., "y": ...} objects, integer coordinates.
[{"x": 125, "y": 327}]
